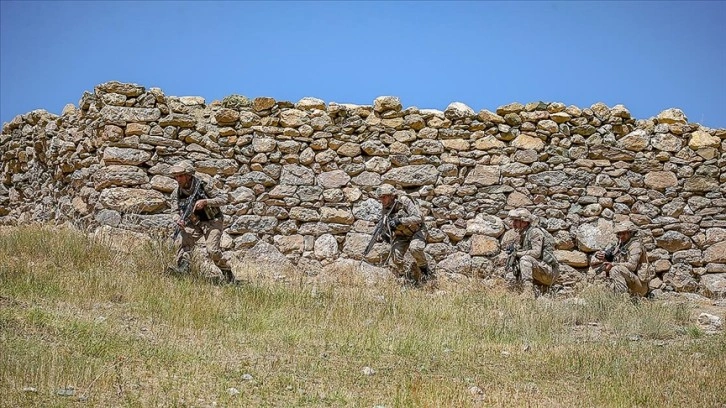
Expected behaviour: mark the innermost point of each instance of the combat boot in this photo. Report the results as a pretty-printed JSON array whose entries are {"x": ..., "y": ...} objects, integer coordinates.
[
  {"x": 182, "y": 268},
  {"x": 228, "y": 275},
  {"x": 426, "y": 274}
]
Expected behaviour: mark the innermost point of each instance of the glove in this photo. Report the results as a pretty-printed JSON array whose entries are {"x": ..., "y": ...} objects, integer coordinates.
[{"x": 393, "y": 223}]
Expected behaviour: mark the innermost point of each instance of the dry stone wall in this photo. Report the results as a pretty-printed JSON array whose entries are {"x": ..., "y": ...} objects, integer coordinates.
[{"x": 301, "y": 176}]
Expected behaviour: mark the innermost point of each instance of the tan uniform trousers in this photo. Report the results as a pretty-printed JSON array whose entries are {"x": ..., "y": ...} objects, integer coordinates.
[
  {"x": 212, "y": 233},
  {"x": 415, "y": 245},
  {"x": 536, "y": 271},
  {"x": 625, "y": 281}
]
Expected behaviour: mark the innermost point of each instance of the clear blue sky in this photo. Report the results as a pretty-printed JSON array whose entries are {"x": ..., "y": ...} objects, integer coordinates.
[{"x": 648, "y": 56}]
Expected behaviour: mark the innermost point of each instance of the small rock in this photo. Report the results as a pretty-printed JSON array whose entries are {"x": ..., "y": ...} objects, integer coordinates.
[
  {"x": 247, "y": 377},
  {"x": 232, "y": 391},
  {"x": 635, "y": 337},
  {"x": 474, "y": 390},
  {"x": 707, "y": 319},
  {"x": 66, "y": 392},
  {"x": 30, "y": 389},
  {"x": 505, "y": 353},
  {"x": 576, "y": 301},
  {"x": 368, "y": 371}
]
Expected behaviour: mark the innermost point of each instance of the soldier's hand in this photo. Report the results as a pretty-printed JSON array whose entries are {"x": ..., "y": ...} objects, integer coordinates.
[
  {"x": 200, "y": 204},
  {"x": 600, "y": 255},
  {"x": 393, "y": 223},
  {"x": 606, "y": 266},
  {"x": 180, "y": 222}
]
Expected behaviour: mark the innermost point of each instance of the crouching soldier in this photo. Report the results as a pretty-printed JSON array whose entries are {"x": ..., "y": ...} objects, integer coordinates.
[
  {"x": 405, "y": 230},
  {"x": 534, "y": 253},
  {"x": 625, "y": 263},
  {"x": 197, "y": 214}
]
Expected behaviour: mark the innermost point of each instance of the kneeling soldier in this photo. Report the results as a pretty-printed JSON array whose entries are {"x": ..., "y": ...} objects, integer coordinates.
[
  {"x": 203, "y": 218},
  {"x": 405, "y": 229},
  {"x": 626, "y": 262},
  {"x": 535, "y": 252}
]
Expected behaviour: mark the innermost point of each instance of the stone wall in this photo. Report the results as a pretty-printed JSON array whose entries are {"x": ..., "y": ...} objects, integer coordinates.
[{"x": 301, "y": 176}]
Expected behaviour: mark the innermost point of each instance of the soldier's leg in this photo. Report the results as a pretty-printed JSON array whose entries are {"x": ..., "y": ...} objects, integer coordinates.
[
  {"x": 213, "y": 238},
  {"x": 418, "y": 244},
  {"x": 618, "y": 280},
  {"x": 399, "y": 246},
  {"x": 189, "y": 236},
  {"x": 526, "y": 268},
  {"x": 627, "y": 282}
]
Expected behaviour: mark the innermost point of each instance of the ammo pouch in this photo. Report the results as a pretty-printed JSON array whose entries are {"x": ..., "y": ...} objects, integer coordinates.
[{"x": 211, "y": 212}]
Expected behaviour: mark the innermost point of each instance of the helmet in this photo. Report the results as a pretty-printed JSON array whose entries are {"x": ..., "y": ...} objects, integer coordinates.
[
  {"x": 625, "y": 226},
  {"x": 521, "y": 214},
  {"x": 181, "y": 168},
  {"x": 386, "y": 189}
]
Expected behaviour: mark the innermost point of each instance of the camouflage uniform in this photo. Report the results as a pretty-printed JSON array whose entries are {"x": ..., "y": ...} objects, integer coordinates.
[
  {"x": 407, "y": 230},
  {"x": 537, "y": 263},
  {"x": 207, "y": 222},
  {"x": 630, "y": 268}
]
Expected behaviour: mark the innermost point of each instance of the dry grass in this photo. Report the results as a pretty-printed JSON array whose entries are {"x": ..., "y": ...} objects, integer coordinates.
[{"x": 112, "y": 330}]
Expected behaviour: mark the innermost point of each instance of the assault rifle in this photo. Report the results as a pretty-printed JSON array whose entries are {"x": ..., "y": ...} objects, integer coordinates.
[
  {"x": 513, "y": 261},
  {"x": 189, "y": 209},
  {"x": 609, "y": 257},
  {"x": 378, "y": 232}
]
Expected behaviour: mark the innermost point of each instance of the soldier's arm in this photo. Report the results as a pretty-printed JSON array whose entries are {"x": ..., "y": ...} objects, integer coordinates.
[
  {"x": 174, "y": 204},
  {"x": 536, "y": 240},
  {"x": 216, "y": 197},
  {"x": 634, "y": 253},
  {"x": 413, "y": 214}
]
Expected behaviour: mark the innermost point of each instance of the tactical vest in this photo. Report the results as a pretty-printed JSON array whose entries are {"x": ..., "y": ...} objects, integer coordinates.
[
  {"x": 407, "y": 231},
  {"x": 644, "y": 270},
  {"x": 548, "y": 247},
  {"x": 205, "y": 214}
]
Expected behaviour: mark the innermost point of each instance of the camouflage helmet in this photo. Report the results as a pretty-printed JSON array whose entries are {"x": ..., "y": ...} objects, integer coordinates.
[
  {"x": 386, "y": 189},
  {"x": 625, "y": 226},
  {"x": 521, "y": 214},
  {"x": 181, "y": 168}
]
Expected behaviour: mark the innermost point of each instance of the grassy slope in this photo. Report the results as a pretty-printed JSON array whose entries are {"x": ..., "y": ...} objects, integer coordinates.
[{"x": 113, "y": 330}]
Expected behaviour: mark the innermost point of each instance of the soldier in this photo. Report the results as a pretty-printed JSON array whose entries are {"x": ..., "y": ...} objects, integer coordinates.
[
  {"x": 204, "y": 218},
  {"x": 626, "y": 262},
  {"x": 405, "y": 229},
  {"x": 534, "y": 252}
]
